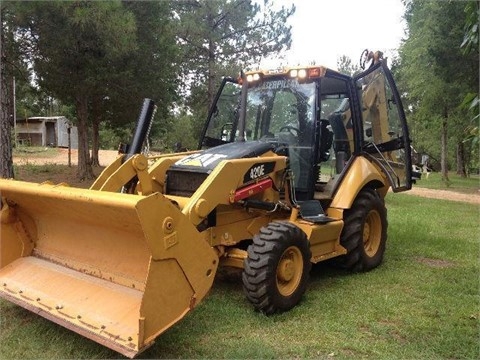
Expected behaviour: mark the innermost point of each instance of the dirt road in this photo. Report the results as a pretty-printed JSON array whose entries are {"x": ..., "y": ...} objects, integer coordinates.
[
  {"x": 61, "y": 157},
  {"x": 445, "y": 195}
]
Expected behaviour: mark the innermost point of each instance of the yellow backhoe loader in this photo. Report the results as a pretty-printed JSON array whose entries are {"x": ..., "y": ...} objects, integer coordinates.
[{"x": 292, "y": 168}]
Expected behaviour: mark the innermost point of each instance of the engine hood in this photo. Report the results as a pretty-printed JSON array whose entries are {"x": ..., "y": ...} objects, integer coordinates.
[{"x": 205, "y": 161}]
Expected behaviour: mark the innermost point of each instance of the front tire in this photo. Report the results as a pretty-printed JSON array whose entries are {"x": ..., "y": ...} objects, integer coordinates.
[
  {"x": 277, "y": 267},
  {"x": 364, "y": 234}
]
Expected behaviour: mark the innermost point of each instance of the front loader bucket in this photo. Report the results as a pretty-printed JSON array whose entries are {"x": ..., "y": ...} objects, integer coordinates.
[{"x": 117, "y": 268}]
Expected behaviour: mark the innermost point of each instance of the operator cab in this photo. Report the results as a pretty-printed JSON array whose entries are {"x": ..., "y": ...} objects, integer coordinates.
[
  {"x": 301, "y": 118},
  {"x": 311, "y": 115}
]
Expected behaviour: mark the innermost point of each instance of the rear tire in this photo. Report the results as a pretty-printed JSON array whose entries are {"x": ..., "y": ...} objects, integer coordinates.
[
  {"x": 277, "y": 268},
  {"x": 364, "y": 234}
]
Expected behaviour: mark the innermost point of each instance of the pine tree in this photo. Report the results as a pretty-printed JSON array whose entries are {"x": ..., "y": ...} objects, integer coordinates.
[
  {"x": 222, "y": 37},
  {"x": 6, "y": 113}
]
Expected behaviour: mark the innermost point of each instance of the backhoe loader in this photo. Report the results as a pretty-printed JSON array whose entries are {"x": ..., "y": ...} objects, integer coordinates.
[{"x": 292, "y": 169}]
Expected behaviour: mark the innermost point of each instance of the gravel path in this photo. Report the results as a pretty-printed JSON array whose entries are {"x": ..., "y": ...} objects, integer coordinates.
[{"x": 445, "y": 195}]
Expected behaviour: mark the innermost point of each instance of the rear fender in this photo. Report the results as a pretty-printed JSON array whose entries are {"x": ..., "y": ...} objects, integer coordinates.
[{"x": 360, "y": 173}]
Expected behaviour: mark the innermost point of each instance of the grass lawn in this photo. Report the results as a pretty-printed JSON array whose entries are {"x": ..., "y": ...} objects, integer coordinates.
[
  {"x": 34, "y": 152},
  {"x": 464, "y": 185},
  {"x": 422, "y": 303}
]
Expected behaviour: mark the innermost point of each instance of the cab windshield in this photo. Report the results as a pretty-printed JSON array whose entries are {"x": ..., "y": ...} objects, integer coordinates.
[{"x": 280, "y": 110}]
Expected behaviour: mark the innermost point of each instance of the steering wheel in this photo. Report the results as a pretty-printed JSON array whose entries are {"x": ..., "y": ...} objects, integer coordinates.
[{"x": 290, "y": 129}]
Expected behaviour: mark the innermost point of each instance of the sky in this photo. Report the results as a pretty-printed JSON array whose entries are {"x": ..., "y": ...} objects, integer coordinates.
[{"x": 324, "y": 30}]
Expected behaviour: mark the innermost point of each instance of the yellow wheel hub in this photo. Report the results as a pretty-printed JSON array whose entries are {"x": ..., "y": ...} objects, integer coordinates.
[
  {"x": 289, "y": 271},
  {"x": 372, "y": 233}
]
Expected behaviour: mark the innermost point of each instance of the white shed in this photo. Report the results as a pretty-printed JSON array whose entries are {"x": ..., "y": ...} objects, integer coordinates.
[{"x": 46, "y": 131}]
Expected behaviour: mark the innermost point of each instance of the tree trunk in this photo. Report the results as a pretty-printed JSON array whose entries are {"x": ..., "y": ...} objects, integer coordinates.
[
  {"x": 84, "y": 170},
  {"x": 95, "y": 132},
  {"x": 444, "y": 149},
  {"x": 6, "y": 158},
  {"x": 461, "y": 169},
  {"x": 94, "y": 160},
  {"x": 211, "y": 64}
]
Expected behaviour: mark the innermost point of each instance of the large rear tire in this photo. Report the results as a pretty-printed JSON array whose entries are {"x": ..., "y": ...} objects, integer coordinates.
[
  {"x": 364, "y": 233},
  {"x": 277, "y": 268}
]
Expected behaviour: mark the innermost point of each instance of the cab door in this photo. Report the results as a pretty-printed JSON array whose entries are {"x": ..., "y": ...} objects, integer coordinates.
[{"x": 385, "y": 131}]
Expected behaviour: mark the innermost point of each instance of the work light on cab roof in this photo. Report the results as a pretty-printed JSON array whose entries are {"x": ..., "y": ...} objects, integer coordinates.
[{"x": 299, "y": 73}]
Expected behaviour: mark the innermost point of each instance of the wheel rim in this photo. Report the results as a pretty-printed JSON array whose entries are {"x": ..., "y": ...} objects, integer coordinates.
[
  {"x": 372, "y": 233},
  {"x": 289, "y": 271}
]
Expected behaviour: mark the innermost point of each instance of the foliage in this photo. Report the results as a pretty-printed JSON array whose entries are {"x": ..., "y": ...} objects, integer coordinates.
[
  {"x": 112, "y": 137},
  {"x": 470, "y": 38},
  {"x": 150, "y": 71},
  {"x": 71, "y": 40},
  {"x": 180, "y": 134},
  {"x": 221, "y": 37},
  {"x": 435, "y": 84},
  {"x": 33, "y": 101},
  {"x": 164, "y": 134},
  {"x": 75, "y": 41},
  {"x": 469, "y": 46},
  {"x": 346, "y": 66},
  {"x": 101, "y": 57}
]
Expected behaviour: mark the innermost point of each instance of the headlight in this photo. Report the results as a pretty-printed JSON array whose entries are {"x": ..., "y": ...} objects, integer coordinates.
[{"x": 253, "y": 77}]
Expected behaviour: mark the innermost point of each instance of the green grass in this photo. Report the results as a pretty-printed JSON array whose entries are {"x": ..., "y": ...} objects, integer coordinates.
[
  {"x": 34, "y": 151},
  {"x": 34, "y": 169},
  {"x": 465, "y": 185},
  {"x": 422, "y": 303}
]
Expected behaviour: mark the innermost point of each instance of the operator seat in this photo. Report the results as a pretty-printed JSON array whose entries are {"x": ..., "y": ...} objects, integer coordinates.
[{"x": 326, "y": 140}]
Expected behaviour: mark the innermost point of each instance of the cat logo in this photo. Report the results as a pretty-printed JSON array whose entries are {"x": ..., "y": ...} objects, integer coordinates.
[{"x": 201, "y": 160}]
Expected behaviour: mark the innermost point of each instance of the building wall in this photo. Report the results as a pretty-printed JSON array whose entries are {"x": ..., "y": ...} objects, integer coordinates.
[
  {"x": 46, "y": 131},
  {"x": 31, "y": 133}
]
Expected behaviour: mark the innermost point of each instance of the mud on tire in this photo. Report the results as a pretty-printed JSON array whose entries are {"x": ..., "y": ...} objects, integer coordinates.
[{"x": 277, "y": 267}]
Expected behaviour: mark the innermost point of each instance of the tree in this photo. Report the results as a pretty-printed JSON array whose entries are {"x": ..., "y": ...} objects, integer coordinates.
[
  {"x": 472, "y": 100},
  {"x": 220, "y": 37},
  {"x": 150, "y": 71},
  {"x": 430, "y": 68},
  {"x": 6, "y": 161},
  {"x": 346, "y": 66},
  {"x": 70, "y": 43}
]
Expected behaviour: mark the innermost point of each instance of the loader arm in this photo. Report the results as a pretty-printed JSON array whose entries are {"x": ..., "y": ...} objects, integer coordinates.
[
  {"x": 226, "y": 179},
  {"x": 120, "y": 172}
]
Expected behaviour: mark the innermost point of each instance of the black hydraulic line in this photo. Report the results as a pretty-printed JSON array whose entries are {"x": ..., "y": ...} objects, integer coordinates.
[
  {"x": 144, "y": 123},
  {"x": 243, "y": 109},
  {"x": 142, "y": 128}
]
